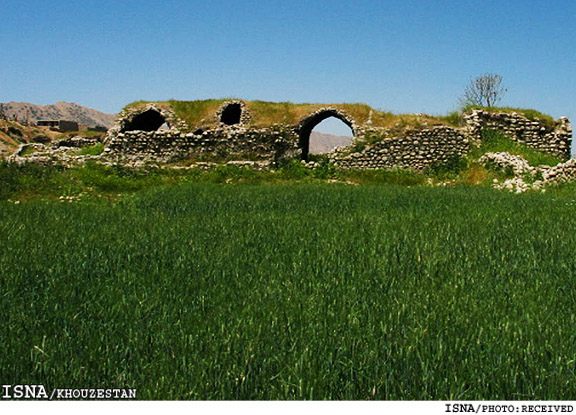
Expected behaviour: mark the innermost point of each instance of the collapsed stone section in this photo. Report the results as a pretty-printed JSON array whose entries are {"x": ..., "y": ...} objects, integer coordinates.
[
  {"x": 508, "y": 163},
  {"x": 523, "y": 172}
]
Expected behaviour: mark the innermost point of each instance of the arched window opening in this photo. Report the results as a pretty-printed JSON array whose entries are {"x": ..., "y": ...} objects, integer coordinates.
[
  {"x": 150, "y": 120},
  {"x": 231, "y": 114},
  {"x": 329, "y": 134},
  {"x": 324, "y": 132}
]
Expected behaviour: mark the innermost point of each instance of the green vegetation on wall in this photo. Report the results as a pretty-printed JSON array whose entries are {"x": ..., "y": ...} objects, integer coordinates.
[
  {"x": 202, "y": 113},
  {"x": 494, "y": 141}
]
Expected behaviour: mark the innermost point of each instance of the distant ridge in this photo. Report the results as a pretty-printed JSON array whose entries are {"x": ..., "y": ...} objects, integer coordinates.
[
  {"x": 321, "y": 143},
  {"x": 69, "y": 111}
]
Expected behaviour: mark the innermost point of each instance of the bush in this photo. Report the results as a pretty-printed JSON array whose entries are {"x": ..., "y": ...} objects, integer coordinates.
[
  {"x": 40, "y": 138},
  {"x": 292, "y": 169},
  {"x": 448, "y": 168}
]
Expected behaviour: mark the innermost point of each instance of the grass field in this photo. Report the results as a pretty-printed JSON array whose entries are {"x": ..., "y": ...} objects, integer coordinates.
[{"x": 302, "y": 291}]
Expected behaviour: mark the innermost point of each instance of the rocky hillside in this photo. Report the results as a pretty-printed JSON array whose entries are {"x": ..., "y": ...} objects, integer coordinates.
[
  {"x": 10, "y": 137},
  {"x": 321, "y": 143},
  {"x": 12, "y": 134},
  {"x": 26, "y": 112}
]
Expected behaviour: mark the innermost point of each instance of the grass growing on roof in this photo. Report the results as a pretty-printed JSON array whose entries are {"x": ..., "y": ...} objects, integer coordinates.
[{"x": 202, "y": 113}]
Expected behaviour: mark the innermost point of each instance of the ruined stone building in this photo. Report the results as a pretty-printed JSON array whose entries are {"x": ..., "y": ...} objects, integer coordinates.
[{"x": 257, "y": 130}]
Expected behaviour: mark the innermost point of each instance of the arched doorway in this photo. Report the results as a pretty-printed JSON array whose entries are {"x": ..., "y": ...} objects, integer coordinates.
[
  {"x": 150, "y": 120},
  {"x": 232, "y": 114},
  {"x": 323, "y": 131}
]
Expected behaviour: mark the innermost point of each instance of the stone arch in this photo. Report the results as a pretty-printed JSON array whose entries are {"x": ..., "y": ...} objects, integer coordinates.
[
  {"x": 148, "y": 118},
  {"x": 233, "y": 113},
  {"x": 307, "y": 125}
]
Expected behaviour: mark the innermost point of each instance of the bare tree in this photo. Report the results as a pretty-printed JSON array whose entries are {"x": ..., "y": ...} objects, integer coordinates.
[{"x": 484, "y": 91}]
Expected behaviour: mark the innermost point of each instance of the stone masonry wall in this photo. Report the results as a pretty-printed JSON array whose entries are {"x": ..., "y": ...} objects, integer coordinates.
[
  {"x": 550, "y": 139},
  {"x": 439, "y": 145},
  {"x": 415, "y": 150},
  {"x": 261, "y": 144}
]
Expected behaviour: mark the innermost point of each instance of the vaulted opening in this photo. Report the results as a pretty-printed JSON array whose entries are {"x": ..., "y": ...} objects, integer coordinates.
[
  {"x": 231, "y": 114},
  {"x": 323, "y": 132},
  {"x": 150, "y": 120}
]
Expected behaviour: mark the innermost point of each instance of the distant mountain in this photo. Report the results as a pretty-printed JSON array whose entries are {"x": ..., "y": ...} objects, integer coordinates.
[
  {"x": 69, "y": 111},
  {"x": 321, "y": 143}
]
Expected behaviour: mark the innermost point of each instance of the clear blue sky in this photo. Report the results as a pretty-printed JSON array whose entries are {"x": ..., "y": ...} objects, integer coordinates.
[{"x": 401, "y": 56}]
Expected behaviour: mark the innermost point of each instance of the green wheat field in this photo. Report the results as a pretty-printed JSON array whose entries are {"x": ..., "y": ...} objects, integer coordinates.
[{"x": 293, "y": 291}]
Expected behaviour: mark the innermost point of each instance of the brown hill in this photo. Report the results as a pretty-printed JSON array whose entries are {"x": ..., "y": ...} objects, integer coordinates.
[
  {"x": 321, "y": 143},
  {"x": 12, "y": 134},
  {"x": 26, "y": 112}
]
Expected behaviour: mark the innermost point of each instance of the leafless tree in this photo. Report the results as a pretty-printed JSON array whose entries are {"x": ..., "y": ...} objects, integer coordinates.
[{"x": 484, "y": 91}]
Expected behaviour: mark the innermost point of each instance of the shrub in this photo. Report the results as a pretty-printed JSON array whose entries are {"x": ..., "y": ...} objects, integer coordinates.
[
  {"x": 447, "y": 168},
  {"x": 40, "y": 138}
]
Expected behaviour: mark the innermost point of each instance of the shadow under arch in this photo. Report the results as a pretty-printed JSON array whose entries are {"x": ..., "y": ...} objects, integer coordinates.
[
  {"x": 231, "y": 114},
  {"x": 308, "y": 124},
  {"x": 149, "y": 120}
]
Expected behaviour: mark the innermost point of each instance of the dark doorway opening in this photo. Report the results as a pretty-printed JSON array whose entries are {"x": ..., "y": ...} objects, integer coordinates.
[
  {"x": 231, "y": 114},
  {"x": 149, "y": 120}
]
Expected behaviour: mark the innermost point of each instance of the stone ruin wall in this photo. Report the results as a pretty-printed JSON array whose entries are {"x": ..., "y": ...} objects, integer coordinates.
[
  {"x": 420, "y": 149},
  {"x": 222, "y": 142},
  {"x": 555, "y": 139},
  {"x": 239, "y": 140},
  {"x": 415, "y": 149}
]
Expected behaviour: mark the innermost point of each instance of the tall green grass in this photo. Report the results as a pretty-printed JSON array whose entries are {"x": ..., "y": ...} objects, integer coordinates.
[
  {"x": 32, "y": 182},
  {"x": 293, "y": 292}
]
